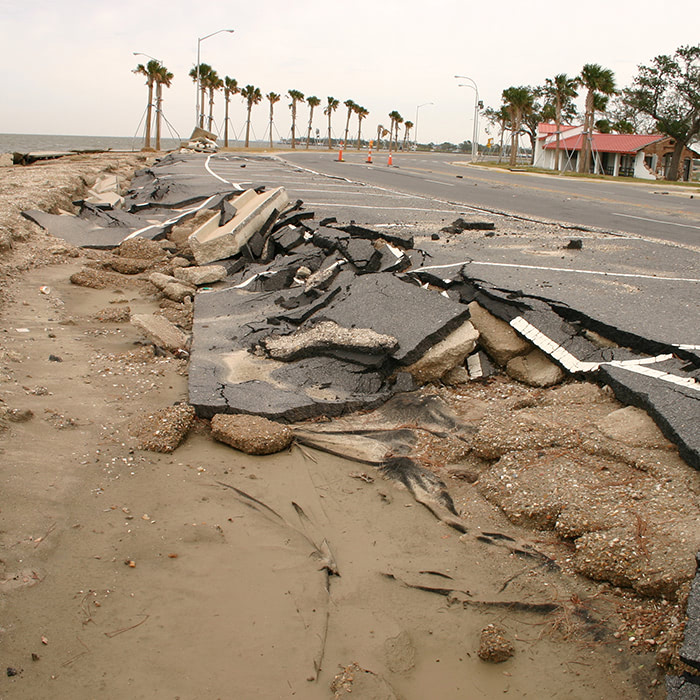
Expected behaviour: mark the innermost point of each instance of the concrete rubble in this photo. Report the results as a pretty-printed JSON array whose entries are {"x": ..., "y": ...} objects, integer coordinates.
[{"x": 302, "y": 320}]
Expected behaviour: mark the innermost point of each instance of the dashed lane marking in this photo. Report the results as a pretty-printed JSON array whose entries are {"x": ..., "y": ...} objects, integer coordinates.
[{"x": 656, "y": 221}]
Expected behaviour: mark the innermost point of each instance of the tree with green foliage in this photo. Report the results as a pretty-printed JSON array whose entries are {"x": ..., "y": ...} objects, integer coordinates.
[
  {"x": 560, "y": 92},
  {"x": 150, "y": 70},
  {"x": 295, "y": 96},
  {"x": 500, "y": 118},
  {"x": 519, "y": 102},
  {"x": 362, "y": 113},
  {"x": 252, "y": 96},
  {"x": 213, "y": 83},
  {"x": 668, "y": 92},
  {"x": 599, "y": 83},
  {"x": 407, "y": 129},
  {"x": 382, "y": 132},
  {"x": 351, "y": 108},
  {"x": 328, "y": 110},
  {"x": 162, "y": 77},
  {"x": 272, "y": 98},
  {"x": 204, "y": 70},
  {"x": 230, "y": 88},
  {"x": 312, "y": 101}
]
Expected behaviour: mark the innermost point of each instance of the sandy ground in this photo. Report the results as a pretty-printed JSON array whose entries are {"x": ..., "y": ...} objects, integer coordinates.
[{"x": 133, "y": 574}]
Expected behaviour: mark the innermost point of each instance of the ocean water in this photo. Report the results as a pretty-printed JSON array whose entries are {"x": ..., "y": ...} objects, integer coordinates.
[{"x": 26, "y": 143}]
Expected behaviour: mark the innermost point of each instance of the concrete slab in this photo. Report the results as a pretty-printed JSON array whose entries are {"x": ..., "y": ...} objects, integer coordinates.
[{"x": 211, "y": 242}]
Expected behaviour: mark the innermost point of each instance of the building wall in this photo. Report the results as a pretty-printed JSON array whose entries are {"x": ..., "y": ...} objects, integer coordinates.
[{"x": 661, "y": 150}]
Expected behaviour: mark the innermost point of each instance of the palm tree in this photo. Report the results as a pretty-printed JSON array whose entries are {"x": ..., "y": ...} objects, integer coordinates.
[
  {"x": 392, "y": 115},
  {"x": 382, "y": 132},
  {"x": 214, "y": 82},
  {"x": 295, "y": 96},
  {"x": 204, "y": 70},
  {"x": 596, "y": 80},
  {"x": 312, "y": 101},
  {"x": 162, "y": 77},
  {"x": 230, "y": 88},
  {"x": 407, "y": 126},
  {"x": 351, "y": 108},
  {"x": 150, "y": 70},
  {"x": 328, "y": 111},
  {"x": 560, "y": 91},
  {"x": 362, "y": 113},
  {"x": 252, "y": 96},
  {"x": 519, "y": 101},
  {"x": 272, "y": 98},
  {"x": 398, "y": 119}
]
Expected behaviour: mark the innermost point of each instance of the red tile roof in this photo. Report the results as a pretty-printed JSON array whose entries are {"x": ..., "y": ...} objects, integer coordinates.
[
  {"x": 609, "y": 143},
  {"x": 545, "y": 128}
]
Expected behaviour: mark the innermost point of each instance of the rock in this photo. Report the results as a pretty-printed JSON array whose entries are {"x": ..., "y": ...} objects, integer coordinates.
[
  {"x": 178, "y": 291},
  {"x": 535, "y": 369},
  {"x": 87, "y": 277},
  {"x": 129, "y": 266},
  {"x": 253, "y": 435},
  {"x": 17, "y": 415},
  {"x": 178, "y": 261},
  {"x": 160, "y": 331},
  {"x": 158, "y": 279},
  {"x": 119, "y": 313},
  {"x": 494, "y": 647},
  {"x": 499, "y": 340},
  {"x": 205, "y": 274},
  {"x": 456, "y": 376},
  {"x": 142, "y": 248},
  {"x": 362, "y": 684},
  {"x": 445, "y": 355},
  {"x": 325, "y": 337},
  {"x": 6, "y": 160},
  {"x": 162, "y": 430},
  {"x": 633, "y": 427}
]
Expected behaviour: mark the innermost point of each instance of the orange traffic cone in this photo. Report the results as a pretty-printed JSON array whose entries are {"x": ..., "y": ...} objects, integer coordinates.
[
  {"x": 340, "y": 152},
  {"x": 369, "y": 155},
  {"x": 389, "y": 163}
]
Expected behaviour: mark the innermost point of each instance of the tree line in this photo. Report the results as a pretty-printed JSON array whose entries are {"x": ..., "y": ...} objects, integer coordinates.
[
  {"x": 664, "y": 97},
  {"x": 210, "y": 83}
]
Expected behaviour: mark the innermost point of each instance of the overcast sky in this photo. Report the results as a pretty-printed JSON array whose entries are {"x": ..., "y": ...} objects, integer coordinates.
[{"x": 66, "y": 64}]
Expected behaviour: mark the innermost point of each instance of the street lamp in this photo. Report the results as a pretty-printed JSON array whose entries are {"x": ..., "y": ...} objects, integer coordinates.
[
  {"x": 476, "y": 113},
  {"x": 415, "y": 127},
  {"x": 199, "y": 41},
  {"x": 147, "y": 55}
]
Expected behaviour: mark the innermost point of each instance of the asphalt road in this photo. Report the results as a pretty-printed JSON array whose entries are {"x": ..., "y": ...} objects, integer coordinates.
[{"x": 653, "y": 210}]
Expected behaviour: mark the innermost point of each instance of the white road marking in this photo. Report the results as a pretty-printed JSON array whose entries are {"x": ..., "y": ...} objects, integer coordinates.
[
  {"x": 559, "y": 269},
  {"x": 656, "y": 221},
  {"x": 573, "y": 364},
  {"x": 361, "y": 206},
  {"x": 437, "y": 182}
]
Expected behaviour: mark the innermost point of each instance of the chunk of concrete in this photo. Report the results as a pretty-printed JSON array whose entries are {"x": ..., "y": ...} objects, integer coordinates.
[
  {"x": 178, "y": 291},
  {"x": 159, "y": 280},
  {"x": 633, "y": 427},
  {"x": 445, "y": 355},
  {"x": 253, "y": 435},
  {"x": 499, "y": 340},
  {"x": 205, "y": 274},
  {"x": 324, "y": 338},
  {"x": 160, "y": 331},
  {"x": 211, "y": 242},
  {"x": 535, "y": 369}
]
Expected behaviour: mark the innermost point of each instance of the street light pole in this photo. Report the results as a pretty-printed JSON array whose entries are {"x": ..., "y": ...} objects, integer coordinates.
[
  {"x": 476, "y": 114},
  {"x": 415, "y": 128},
  {"x": 199, "y": 41}
]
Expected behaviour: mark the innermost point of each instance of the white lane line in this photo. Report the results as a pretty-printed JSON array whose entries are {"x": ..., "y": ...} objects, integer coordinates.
[
  {"x": 656, "y": 221},
  {"x": 361, "y": 206},
  {"x": 437, "y": 182},
  {"x": 573, "y": 364},
  {"x": 212, "y": 173},
  {"x": 557, "y": 269},
  {"x": 363, "y": 194}
]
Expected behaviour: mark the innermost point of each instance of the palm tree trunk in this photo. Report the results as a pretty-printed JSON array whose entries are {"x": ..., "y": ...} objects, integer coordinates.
[
  {"x": 557, "y": 126},
  {"x": 228, "y": 99},
  {"x": 201, "y": 114},
  {"x": 149, "y": 113},
  {"x": 211, "y": 107},
  {"x": 159, "y": 101},
  {"x": 330, "y": 143},
  {"x": 308, "y": 133},
  {"x": 347, "y": 127},
  {"x": 271, "y": 123},
  {"x": 359, "y": 133},
  {"x": 515, "y": 143},
  {"x": 294, "y": 119},
  {"x": 247, "y": 126}
]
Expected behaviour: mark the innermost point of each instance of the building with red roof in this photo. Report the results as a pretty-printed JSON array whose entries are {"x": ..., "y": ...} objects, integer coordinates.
[{"x": 646, "y": 156}]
